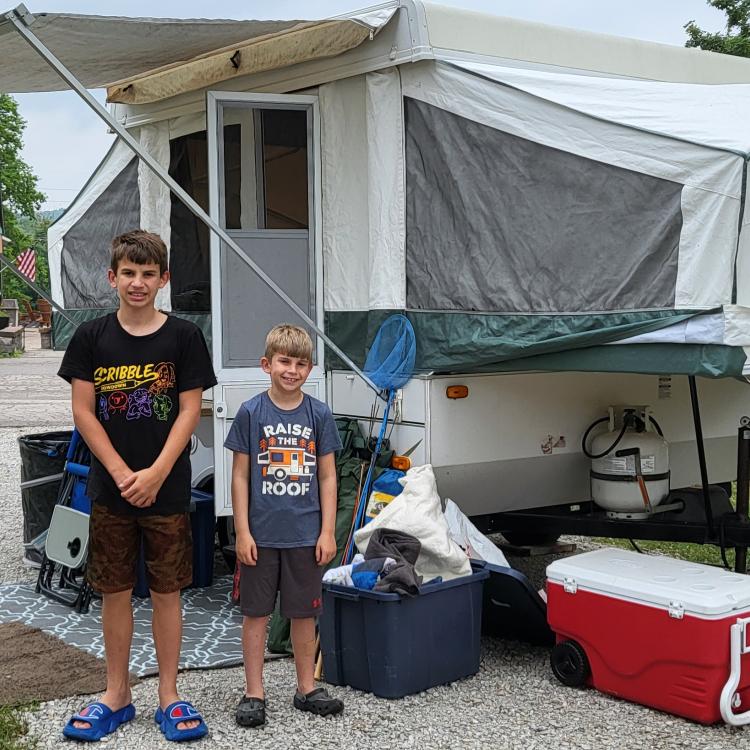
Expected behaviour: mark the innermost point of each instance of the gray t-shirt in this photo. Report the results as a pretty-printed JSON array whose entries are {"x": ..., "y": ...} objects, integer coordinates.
[{"x": 284, "y": 446}]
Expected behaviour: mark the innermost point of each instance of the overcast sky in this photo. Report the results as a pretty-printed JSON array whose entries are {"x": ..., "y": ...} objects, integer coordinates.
[{"x": 64, "y": 140}]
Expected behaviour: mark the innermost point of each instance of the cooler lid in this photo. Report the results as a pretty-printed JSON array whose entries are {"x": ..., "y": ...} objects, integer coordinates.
[{"x": 656, "y": 580}]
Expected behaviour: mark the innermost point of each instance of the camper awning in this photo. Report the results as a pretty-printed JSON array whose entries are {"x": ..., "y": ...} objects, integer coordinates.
[{"x": 105, "y": 50}]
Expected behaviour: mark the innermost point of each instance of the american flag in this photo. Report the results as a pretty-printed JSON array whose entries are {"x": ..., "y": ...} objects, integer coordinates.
[{"x": 26, "y": 263}]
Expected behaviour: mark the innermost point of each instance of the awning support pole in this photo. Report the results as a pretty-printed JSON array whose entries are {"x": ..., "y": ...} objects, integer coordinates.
[
  {"x": 22, "y": 22},
  {"x": 701, "y": 454},
  {"x": 7, "y": 264},
  {"x": 743, "y": 488}
]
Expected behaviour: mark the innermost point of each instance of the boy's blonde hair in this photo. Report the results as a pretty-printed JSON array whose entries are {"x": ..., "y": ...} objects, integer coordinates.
[{"x": 289, "y": 340}]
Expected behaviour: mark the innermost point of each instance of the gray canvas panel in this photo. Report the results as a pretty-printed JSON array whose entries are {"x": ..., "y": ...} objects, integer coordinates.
[
  {"x": 87, "y": 244},
  {"x": 498, "y": 223},
  {"x": 249, "y": 308}
]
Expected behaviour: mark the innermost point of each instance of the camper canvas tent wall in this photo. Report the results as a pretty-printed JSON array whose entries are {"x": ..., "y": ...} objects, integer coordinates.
[{"x": 531, "y": 197}]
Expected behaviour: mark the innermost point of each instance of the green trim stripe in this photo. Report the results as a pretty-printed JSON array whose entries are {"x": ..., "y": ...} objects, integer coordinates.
[
  {"x": 468, "y": 342},
  {"x": 62, "y": 330}
]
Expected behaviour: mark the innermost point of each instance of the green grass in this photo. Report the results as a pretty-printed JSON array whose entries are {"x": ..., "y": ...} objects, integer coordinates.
[
  {"x": 700, "y": 553},
  {"x": 14, "y": 729},
  {"x": 15, "y": 354}
]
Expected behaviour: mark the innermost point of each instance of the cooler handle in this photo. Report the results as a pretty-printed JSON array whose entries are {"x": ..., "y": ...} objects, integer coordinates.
[{"x": 738, "y": 647}]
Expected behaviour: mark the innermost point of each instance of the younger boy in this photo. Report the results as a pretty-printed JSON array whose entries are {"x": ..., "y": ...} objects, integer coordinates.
[
  {"x": 137, "y": 376},
  {"x": 284, "y": 502}
]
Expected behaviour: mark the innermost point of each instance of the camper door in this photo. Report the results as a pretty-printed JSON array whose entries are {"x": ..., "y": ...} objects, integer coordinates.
[{"x": 264, "y": 191}]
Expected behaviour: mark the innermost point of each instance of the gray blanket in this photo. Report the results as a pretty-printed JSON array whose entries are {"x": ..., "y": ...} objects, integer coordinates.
[{"x": 404, "y": 549}]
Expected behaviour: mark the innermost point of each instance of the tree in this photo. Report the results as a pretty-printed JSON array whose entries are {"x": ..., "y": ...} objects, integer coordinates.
[
  {"x": 736, "y": 39},
  {"x": 19, "y": 199}
]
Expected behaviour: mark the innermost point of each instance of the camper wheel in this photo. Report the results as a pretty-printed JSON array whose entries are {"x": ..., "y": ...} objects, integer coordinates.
[{"x": 570, "y": 664}]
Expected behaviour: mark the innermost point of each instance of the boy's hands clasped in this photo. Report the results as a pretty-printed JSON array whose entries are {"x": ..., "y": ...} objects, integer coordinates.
[
  {"x": 325, "y": 549},
  {"x": 140, "y": 488}
]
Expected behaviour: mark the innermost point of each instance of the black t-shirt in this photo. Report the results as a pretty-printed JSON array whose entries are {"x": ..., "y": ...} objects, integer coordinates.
[{"x": 138, "y": 381}]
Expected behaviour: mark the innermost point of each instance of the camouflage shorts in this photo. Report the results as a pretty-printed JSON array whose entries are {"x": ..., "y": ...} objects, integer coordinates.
[{"x": 114, "y": 547}]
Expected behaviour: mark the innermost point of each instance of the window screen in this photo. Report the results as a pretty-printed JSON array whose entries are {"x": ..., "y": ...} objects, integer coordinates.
[
  {"x": 189, "y": 262},
  {"x": 87, "y": 245},
  {"x": 284, "y": 169},
  {"x": 498, "y": 223}
]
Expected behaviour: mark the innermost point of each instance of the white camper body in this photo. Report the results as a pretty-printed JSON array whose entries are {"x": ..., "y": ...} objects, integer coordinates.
[
  {"x": 327, "y": 207},
  {"x": 515, "y": 441}
]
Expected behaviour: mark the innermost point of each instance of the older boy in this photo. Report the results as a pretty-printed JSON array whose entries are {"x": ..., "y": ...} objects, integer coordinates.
[
  {"x": 137, "y": 376},
  {"x": 284, "y": 502}
]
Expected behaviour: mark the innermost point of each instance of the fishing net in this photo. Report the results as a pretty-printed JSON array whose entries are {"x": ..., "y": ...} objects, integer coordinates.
[
  {"x": 389, "y": 365},
  {"x": 390, "y": 361}
]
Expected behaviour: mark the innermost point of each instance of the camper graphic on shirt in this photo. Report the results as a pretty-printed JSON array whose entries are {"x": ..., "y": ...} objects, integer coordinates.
[{"x": 287, "y": 458}]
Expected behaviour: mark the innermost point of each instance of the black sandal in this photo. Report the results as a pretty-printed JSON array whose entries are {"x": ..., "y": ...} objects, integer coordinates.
[
  {"x": 251, "y": 712},
  {"x": 318, "y": 702}
]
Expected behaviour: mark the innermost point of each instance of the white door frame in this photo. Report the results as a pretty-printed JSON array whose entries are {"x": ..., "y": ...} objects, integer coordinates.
[
  {"x": 215, "y": 99},
  {"x": 234, "y": 378}
]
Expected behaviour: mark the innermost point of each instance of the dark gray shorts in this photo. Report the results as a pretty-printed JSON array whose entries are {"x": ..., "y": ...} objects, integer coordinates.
[{"x": 292, "y": 572}]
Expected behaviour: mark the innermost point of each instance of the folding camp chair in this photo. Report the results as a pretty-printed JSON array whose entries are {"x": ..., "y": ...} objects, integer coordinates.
[
  {"x": 66, "y": 542},
  {"x": 29, "y": 316}
]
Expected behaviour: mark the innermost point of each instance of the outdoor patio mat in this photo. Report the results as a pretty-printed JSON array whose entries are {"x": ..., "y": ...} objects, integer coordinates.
[
  {"x": 212, "y": 625},
  {"x": 35, "y": 666}
]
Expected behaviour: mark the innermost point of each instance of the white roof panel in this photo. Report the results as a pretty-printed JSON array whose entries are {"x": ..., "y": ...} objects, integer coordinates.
[{"x": 713, "y": 115}]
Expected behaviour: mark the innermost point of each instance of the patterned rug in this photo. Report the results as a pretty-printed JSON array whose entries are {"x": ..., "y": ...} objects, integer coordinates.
[{"x": 212, "y": 625}]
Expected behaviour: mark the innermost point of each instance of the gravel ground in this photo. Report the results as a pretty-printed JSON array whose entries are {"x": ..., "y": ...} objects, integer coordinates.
[{"x": 514, "y": 701}]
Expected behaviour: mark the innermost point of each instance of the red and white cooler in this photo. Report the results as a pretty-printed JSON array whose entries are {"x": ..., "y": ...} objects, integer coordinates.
[{"x": 666, "y": 633}]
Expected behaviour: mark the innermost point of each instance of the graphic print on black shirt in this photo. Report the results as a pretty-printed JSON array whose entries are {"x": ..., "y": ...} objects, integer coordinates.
[
  {"x": 135, "y": 391},
  {"x": 137, "y": 384}
]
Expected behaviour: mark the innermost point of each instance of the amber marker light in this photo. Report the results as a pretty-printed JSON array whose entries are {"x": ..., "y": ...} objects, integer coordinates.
[{"x": 457, "y": 391}]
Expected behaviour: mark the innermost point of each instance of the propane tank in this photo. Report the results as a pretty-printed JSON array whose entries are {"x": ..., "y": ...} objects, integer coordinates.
[{"x": 629, "y": 463}]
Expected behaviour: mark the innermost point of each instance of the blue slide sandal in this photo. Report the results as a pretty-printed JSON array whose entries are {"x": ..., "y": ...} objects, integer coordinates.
[
  {"x": 175, "y": 713},
  {"x": 102, "y": 721}
]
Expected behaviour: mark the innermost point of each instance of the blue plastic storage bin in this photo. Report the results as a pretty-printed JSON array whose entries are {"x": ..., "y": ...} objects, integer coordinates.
[
  {"x": 203, "y": 524},
  {"x": 393, "y": 646}
]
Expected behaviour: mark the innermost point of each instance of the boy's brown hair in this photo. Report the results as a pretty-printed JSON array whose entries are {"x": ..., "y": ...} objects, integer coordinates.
[
  {"x": 139, "y": 247},
  {"x": 289, "y": 340}
]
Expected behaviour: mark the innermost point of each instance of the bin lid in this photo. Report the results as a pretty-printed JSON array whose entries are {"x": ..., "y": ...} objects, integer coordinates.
[{"x": 655, "y": 580}]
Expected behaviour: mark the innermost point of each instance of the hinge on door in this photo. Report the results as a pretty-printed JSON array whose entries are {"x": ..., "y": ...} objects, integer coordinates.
[
  {"x": 570, "y": 585},
  {"x": 676, "y": 610},
  {"x": 220, "y": 409}
]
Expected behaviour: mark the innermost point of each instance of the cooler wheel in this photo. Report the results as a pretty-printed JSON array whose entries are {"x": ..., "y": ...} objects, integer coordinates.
[{"x": 570, "y": 664}]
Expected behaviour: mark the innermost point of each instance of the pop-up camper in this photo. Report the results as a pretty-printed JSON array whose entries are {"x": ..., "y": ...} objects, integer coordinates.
[{"x": 560, "y": 214}]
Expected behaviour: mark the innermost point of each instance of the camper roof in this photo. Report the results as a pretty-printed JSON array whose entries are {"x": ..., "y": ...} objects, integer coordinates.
[
  {"x": 142, "y": 60},
  {"x": 452, "y": 30}
]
